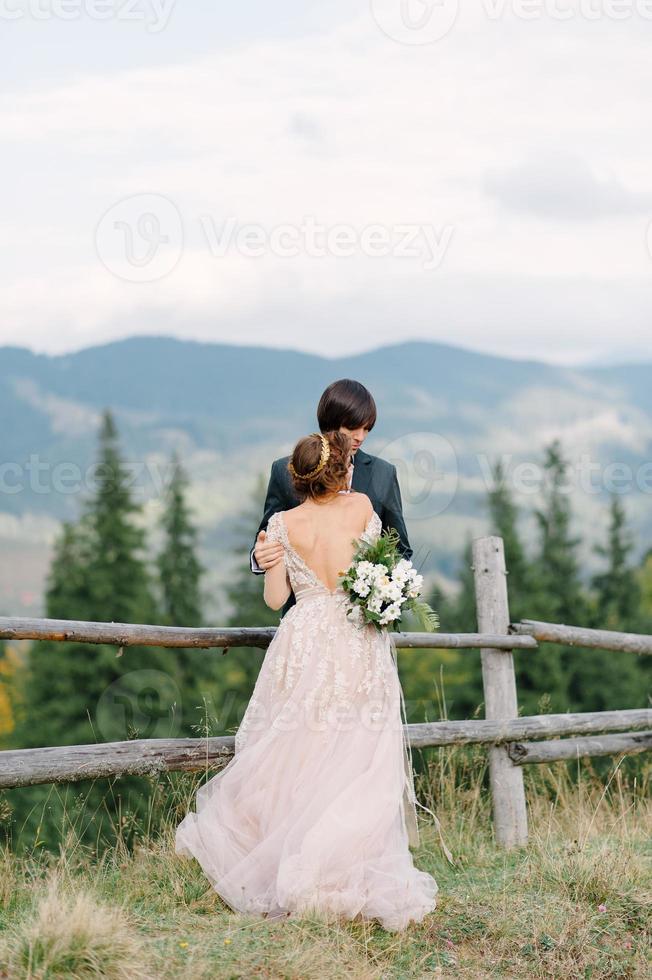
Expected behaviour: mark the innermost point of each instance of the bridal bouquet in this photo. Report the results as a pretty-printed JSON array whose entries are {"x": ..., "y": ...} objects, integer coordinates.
[{"x": 380, "y": 585}]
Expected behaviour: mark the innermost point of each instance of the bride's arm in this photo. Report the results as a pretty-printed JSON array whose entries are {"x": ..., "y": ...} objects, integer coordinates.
[{"x": 277, "y": 586}]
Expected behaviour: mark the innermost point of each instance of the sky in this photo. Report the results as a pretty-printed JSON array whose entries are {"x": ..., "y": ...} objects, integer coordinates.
[{"x": 329, "y": 177}]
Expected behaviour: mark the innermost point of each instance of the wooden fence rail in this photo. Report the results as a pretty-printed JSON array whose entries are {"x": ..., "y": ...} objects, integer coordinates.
[
  {"x": 129, "y": 634},
  {"x": 147, "y": 756},
  {"x": 582, "y": 636},
  {"x": 513, "y": 741}
]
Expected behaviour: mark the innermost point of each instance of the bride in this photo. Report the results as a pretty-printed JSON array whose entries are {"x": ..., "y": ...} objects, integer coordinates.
[{"x": 316, "y": 811}]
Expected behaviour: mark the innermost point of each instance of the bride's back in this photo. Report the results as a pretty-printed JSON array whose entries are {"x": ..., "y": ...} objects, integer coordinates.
[{"x": 323, "y": 534}]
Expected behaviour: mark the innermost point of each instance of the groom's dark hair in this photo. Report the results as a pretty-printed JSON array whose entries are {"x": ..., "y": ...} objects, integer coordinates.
[{"x": 348, "y": 403}]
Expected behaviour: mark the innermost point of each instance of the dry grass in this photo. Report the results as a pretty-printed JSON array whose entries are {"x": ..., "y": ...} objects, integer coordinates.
[{"x": 575, "y": 903}]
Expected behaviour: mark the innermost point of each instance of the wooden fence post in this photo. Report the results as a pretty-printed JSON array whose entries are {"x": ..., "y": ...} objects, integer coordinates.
[{"x": 499, "y": 682}]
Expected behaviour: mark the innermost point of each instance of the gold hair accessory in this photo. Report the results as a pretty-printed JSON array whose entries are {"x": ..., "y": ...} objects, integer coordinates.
[{"x": 325, "y": 453}]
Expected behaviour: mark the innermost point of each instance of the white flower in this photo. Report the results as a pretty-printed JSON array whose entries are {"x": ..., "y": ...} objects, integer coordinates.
[
  {"x": 392, "y": 612},
  {"x": 375, "y": 604},
  {"x": 401, "y": 571},
  {"x": 417, "y": 582},
  {"x": 364, "y": 569},
  {"x": 390, "y": 592},
  {"x": 361, "y": 587}
]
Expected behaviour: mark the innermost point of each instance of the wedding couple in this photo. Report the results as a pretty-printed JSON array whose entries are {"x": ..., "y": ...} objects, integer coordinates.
[{"x": 316, "y": 811}]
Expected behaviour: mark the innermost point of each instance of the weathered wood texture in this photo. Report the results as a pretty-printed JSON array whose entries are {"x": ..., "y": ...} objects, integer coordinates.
[
  {"x": 582, "y": 636},
  {"x": 140, "y": 756},
  {"x": 129, "y": 634},
  {"x": 499, "y": 682},
  {"x": 533, "y": 726},
  {"x": 629, "y": 743},
  {"x": 68, "y": 763}
]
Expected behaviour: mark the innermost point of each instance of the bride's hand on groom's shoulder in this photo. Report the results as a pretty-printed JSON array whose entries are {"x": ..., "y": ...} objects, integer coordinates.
[{"x": 267, "y": 553}]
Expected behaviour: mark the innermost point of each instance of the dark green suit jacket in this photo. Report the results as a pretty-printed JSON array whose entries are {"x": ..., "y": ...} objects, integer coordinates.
[{"x": 371, "y": 475}]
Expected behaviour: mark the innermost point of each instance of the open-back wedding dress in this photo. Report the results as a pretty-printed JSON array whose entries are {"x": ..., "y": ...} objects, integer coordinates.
[{"x": 316, "y": 810}]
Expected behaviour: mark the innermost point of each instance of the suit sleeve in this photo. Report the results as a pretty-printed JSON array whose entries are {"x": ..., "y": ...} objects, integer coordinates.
[
  {"x": 393, "y": 514},
  {"x": 273, "y": 503}
]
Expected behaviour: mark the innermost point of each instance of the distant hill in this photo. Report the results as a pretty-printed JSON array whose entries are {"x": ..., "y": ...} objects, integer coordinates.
[{"x": 445, "y": 414}]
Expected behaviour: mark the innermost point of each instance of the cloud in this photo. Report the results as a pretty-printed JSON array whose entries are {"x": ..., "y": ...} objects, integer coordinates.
[
  {"x": 562, "y": 186},
  {"x": 347, "y": 127}
]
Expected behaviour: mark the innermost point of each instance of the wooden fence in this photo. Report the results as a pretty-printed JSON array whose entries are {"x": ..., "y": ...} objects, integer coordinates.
[{"x": 513, "y": 741}]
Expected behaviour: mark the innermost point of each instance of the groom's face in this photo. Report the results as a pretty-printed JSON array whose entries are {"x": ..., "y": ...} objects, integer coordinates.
[{"x": 358, "y": 436}]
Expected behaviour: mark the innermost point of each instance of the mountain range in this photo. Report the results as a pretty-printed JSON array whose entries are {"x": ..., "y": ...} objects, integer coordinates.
[{"x": 445, "y": 414}]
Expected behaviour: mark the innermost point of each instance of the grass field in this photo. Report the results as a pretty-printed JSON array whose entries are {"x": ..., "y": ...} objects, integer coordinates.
[{"x": 575, "y": 903}]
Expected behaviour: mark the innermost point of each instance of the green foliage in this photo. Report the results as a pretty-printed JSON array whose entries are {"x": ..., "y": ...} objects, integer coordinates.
[
  {"x": 611, "y": 679},
  {"x": 179, "y": 577},
  {"x": 447, "y": 682},
  {"x": 75, "y": 693},
  {"x": 426, "y": 616},
  {"x": 548, "y": 587},
  {"x": 240, "y": 666}
]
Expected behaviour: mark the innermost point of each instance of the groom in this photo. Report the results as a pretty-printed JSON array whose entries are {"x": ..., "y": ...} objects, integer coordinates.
[{"x": 348, "y": 406}]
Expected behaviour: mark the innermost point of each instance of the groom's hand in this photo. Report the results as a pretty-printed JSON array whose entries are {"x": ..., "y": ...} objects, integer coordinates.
[{"x": 267, "y": 553}]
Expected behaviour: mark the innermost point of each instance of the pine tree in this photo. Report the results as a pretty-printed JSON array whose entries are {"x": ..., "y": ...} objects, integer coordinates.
[
  {"x": 558, "y": 595},
  {"x": 503, "y": 514},
  {"x": 119, "y": 586},
  {"x": 612, "y": 679},
  {"x": 77, "y": 693},
  {"x": 538, "y": 673},
  {"x": 563, "y": 596},
  {"x": 179, "y": 574},
  {"x": 643, "y": 576},
  {"x": 618, "y": 593},
  {"x": 55, "y": 689},
  {"x": 458, "y": 671}
]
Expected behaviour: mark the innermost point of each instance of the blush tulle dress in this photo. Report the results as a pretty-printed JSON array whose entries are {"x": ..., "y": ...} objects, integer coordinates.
[{"x": 316, "y": 810}]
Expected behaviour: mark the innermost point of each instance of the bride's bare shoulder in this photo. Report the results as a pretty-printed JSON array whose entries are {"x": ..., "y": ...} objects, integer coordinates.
[{"x": 361, "y": 502}]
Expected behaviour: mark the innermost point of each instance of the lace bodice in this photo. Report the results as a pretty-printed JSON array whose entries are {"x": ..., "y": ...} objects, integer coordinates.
[
  {"x": 300, "y": 574},
  {"x": 318, "y": 626}
]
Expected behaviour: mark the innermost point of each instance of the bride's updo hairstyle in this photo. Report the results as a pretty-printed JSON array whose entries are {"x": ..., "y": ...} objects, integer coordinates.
[{"x": 319, "y": 464}]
